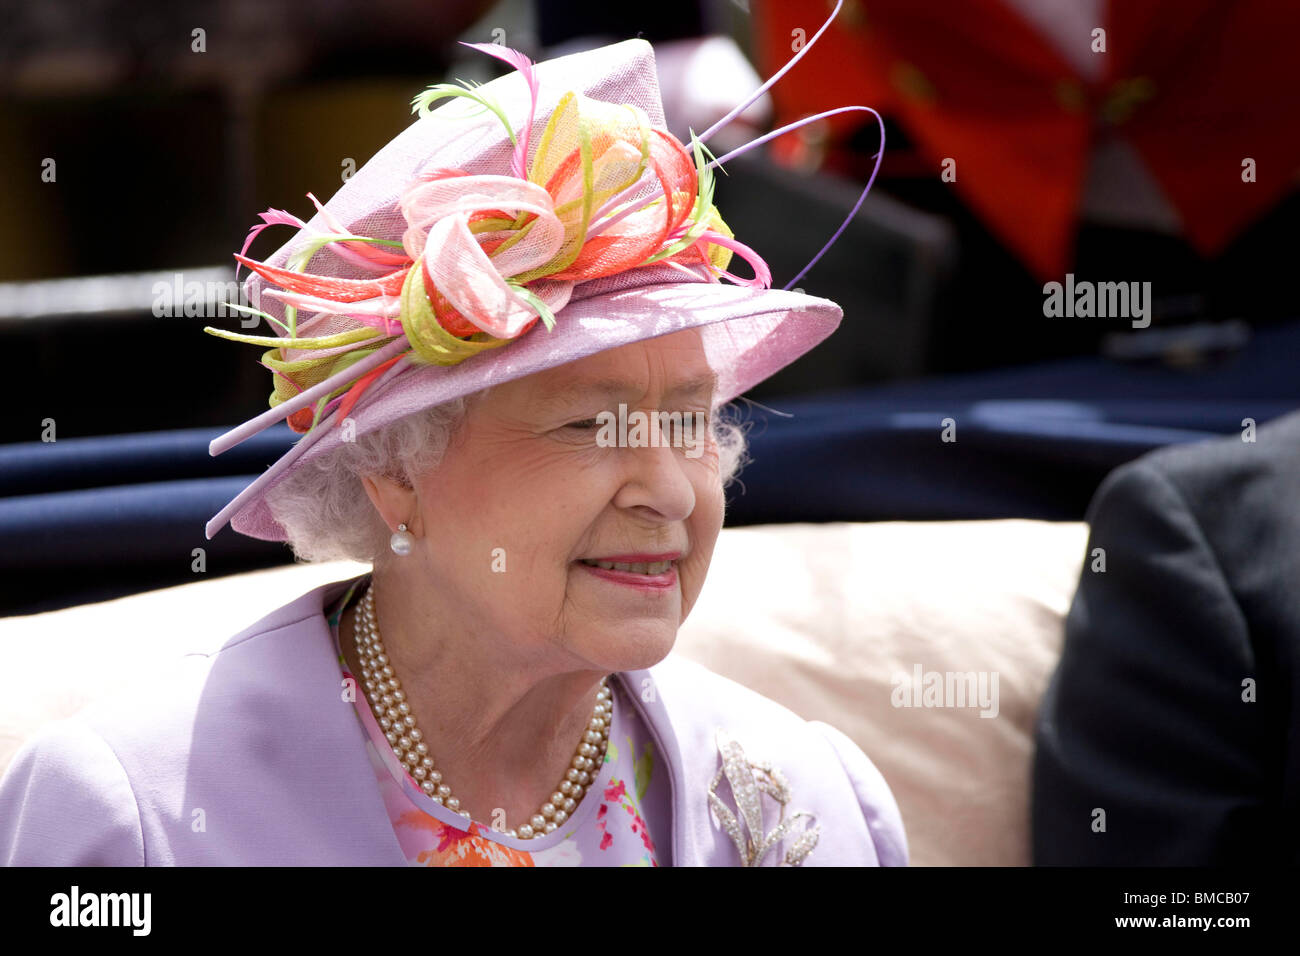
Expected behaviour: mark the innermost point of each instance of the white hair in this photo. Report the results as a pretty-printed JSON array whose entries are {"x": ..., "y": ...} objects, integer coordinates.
[{"x": 328, "y": 516}]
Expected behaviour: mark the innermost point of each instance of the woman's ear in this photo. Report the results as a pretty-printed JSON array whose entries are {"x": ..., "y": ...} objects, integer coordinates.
[{"x": 395, "y": 500}]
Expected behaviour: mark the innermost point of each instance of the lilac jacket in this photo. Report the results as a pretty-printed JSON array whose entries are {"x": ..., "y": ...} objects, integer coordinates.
[{"x": 247, "y": 754}]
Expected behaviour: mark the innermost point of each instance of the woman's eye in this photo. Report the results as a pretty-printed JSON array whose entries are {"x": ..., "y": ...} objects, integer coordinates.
[{"x": 687, "y": 429}]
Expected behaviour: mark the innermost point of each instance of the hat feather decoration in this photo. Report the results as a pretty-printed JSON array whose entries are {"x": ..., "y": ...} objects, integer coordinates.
[{"x": 485, "y": 257}]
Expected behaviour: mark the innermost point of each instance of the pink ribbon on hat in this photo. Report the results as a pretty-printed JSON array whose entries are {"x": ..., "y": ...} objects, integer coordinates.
[{"x": 438, "y": 235}]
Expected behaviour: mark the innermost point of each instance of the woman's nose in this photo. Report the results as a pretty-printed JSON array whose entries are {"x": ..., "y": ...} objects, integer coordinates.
[{"x": 656, "y": 476}]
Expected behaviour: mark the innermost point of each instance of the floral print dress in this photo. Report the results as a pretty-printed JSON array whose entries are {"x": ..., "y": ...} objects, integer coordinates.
[{"x": 629, "y": 800}]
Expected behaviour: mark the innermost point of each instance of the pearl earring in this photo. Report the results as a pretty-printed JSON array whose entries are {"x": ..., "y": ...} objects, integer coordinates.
[{"x": 401, "y": 541}]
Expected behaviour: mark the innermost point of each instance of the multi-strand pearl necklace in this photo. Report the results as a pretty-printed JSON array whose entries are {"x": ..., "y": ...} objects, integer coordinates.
[{"x": 389, "y": 705}]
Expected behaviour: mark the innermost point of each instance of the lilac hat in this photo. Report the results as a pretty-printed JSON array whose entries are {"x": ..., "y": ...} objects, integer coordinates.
[{"x": 551, "y": 194}]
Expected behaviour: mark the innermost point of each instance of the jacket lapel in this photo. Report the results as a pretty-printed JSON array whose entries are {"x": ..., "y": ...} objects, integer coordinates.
[
  {"x": 687, "y": 747},
  {"x": 348, "y": 769}
]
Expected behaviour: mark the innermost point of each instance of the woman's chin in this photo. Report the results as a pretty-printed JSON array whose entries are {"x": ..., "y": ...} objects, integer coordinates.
[{"x": 632, "y": 648}]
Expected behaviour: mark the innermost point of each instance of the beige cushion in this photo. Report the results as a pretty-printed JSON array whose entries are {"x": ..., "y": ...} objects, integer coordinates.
[
  {"x": 817, "y": 616},
  {"x": 821, "y": 617}
]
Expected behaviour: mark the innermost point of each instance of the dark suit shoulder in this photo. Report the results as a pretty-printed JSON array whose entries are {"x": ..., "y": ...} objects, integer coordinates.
[
  {"x": 1243, "y": 498},
  {"x": 1271, "y": 461}
]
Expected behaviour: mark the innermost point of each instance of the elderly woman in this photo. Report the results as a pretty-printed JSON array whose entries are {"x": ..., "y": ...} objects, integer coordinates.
[{"x": 540, "y": 518}]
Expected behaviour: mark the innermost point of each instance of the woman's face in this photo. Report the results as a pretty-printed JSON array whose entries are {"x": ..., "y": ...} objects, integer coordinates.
[{"x": 526, "y": 491}]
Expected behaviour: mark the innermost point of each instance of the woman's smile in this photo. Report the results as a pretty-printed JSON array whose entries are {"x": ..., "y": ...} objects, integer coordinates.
[{"x": 651, "y": 580}]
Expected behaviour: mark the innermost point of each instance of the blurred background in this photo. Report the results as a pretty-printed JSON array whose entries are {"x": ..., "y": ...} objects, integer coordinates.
[{"x": 1029, "y": 142}]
